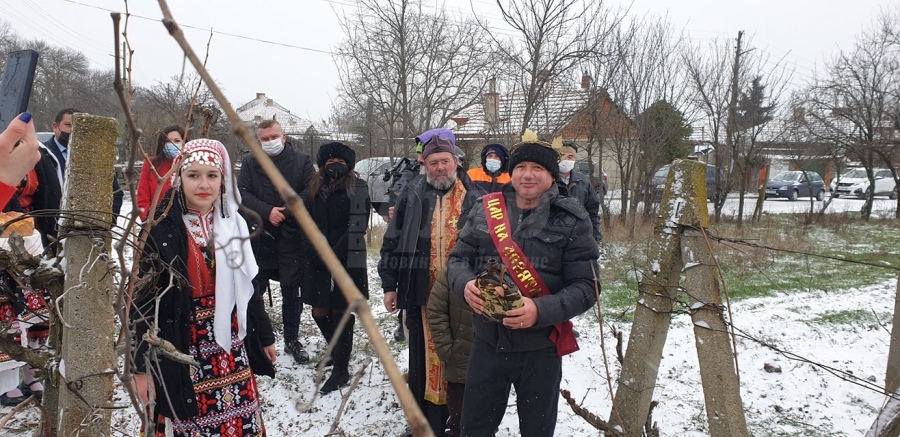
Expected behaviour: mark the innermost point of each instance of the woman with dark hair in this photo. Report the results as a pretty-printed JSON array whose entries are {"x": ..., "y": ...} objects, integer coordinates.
[
  {"x": 200, "y": 298},
  {"x": 339, "y": 204},
  {"x": 168, "y": 145}
]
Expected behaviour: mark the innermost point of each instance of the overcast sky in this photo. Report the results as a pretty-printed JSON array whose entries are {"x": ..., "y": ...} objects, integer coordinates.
[{"x": 282, "y": 48}]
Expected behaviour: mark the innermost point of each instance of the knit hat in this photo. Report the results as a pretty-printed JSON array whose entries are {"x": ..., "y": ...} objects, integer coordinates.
[
  {"x": 437, "y": 144},
  {"x": 500, "y": 150},
  {"x": 532, "y": 149},
  {"x": 336, "y": 150}
]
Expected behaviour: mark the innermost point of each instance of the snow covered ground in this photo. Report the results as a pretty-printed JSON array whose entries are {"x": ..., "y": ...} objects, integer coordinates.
[{"x": 804, "y": 399}]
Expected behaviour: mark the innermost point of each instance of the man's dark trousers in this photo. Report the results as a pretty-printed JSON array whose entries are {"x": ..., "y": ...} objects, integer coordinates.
[
  {"x": 290, "y": 268},
  {"x": 536, "y": 375}
]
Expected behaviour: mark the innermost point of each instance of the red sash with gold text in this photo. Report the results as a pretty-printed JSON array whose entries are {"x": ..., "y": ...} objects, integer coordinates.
[{"x": 523, "y": 273}]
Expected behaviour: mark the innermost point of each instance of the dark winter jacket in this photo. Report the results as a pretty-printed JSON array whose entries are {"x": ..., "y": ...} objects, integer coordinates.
[
  {"x": 168, "y": 244},
  {"x": 580, "y": 189},
  {"x": 343, "y": 218},
  {"x": 450, "y": 319},
  {"x": 406, "y": 248},
  {"x": 48, "y": 195},
  {"x": 553, "y": 237},
  {"x": 258, "y": 193},
  {"x": 488, "y": 181}
]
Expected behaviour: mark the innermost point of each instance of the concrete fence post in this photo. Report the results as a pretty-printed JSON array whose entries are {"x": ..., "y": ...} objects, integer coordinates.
[
  {"x": 86, "y": 355},
  {"x": 721, "y": 386},
  {"x": 656, "y": 294}
]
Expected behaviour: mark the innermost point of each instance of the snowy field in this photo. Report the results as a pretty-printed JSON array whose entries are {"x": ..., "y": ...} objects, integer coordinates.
[{"x": 801, "y": 400}]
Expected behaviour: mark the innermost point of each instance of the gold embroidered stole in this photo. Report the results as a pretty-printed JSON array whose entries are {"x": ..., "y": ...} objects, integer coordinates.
[{"x": 443, "y": 238}]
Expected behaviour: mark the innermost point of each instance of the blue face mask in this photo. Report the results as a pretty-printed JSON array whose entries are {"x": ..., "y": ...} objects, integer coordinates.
[
  {"x": 171, "y": 150},
  {"x": 492, "y": 165}
]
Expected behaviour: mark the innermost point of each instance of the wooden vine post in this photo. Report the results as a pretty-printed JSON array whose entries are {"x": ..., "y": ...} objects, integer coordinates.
[{"x": 679, "y": 246}]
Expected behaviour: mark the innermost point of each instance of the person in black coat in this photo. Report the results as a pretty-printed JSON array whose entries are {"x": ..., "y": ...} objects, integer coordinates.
[
  {"x": 416, "y": 242},
  {"x": 576, "y": 185},
  {"x": 197, "y": 267},
  {"x": 339, "y": 204},
  {"x": 278, "y": 250},
  {"x": 521, "y": 351}
]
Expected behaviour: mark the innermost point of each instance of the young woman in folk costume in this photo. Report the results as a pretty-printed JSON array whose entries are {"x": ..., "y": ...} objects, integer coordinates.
[
  {"x": 168, "y": 146},
  {"x": 209, "y": 312},
  {"x": 339, "y": 204},
  {"x": 23, "y": 311}
]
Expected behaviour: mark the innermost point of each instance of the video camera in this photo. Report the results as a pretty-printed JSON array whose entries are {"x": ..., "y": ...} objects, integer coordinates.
[
  {"x": 400, "y": 175},
  {"x": 395, "y": 172}
]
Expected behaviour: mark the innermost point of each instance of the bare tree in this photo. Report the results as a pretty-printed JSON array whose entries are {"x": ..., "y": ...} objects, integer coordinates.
[
  {"x": 407, "y": 70},
  {"x": 637, "y": 66},
  {"x": 710, "y": 71},
  {"x": 756, "y": 107},
  {"x": 552, "y": 38},
  {"x": 856, "y": 104}
]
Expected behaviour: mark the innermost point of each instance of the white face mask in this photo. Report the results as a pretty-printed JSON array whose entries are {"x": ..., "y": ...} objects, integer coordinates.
[
  {"x": 272, "y": 148},
  {"x": 492, "y": 165},
  {"x": 566, "y": 166}
]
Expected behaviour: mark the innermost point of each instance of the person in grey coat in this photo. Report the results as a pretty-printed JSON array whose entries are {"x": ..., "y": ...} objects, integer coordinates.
[{"x": 519, "y": 352}]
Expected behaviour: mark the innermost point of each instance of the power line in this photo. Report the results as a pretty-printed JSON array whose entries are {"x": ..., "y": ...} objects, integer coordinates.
[
  {"x": 60, "y": 25},
  {"x": 218, "y": 32},
  {"x": 49, "y": 34}
]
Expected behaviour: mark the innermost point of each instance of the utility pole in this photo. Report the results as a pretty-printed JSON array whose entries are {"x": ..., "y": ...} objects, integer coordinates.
[
  {"x": 732, "y": 104},
  {"x": 732, "y": 109}
]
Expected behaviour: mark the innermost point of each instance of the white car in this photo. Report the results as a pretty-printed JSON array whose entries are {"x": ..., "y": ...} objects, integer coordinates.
[
  {"x": 372, "y": 171},
  {"x": 44, "y": 136},
  {"x": 855, "y": 183}
]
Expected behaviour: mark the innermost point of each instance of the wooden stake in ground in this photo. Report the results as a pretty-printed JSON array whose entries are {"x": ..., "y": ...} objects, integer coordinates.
[
  {"x": 677, "y": 245},
  {"x": 656, "y": 294},
  {"x": 721, "y": 386},
  {"x": 892, "y": 376},
  {"x": 86, "y": 354}
]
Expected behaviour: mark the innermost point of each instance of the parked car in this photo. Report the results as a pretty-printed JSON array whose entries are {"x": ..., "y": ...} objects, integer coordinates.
[
  {"x": 603, "y": 185},
  {"x": 372, "y": 171},
  {"x": 795, "y": 184},
  {"x": 855, "y": 182},
  {"x": 44, "y": 136},
  {"x": 658, "y": 182}
]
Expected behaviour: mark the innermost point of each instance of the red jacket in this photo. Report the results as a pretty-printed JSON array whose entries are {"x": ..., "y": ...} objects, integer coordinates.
[
  {"x": 147, "y": 184},
  {"x": 6, "y": 193}
]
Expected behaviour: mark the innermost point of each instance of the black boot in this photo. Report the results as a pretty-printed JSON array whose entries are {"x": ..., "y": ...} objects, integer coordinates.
[
  {"x": 326, "y": 326},
  {"x": 340, "y": 373}
]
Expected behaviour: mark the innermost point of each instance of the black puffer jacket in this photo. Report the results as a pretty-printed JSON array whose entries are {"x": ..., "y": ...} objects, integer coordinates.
[
  {"x": 554, "y": 238},
  {"x": 580, "y": 189},
  {"x": 405, "y": 250},
  {"x": 168, "y": 244}
]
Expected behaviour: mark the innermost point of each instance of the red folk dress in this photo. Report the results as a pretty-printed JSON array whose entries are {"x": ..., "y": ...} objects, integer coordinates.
[{"x": 226, "y": 389}]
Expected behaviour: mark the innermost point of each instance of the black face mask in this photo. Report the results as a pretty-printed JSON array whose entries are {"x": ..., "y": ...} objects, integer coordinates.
[
  {"x": 63, "y": 139},
  {"x": 336, "y": 170}
]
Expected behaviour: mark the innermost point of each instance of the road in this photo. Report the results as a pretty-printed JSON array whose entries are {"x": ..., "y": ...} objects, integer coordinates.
[{"x": 883, "y": 207}]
